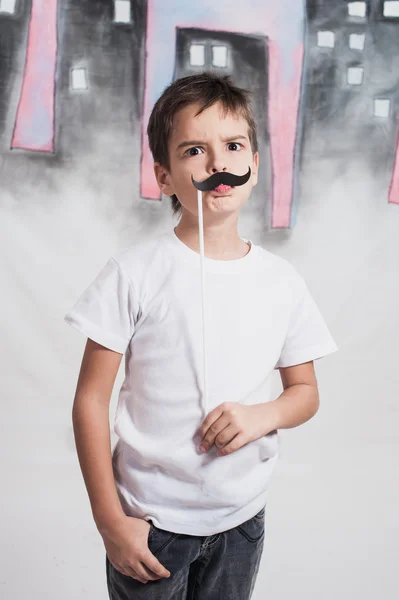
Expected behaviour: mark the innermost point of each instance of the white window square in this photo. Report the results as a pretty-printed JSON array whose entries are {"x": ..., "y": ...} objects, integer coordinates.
[
  {"x": 357, "y": 9},
  {"x": 355, "y": 75},
  {"x": 7, "y": 6},
  {"x": 122, "y": 11},
  {"x": 382, "y": 107},
  {"x": 79, "y": 79},
  {"x": 197, "y": 55},
  {"x": 391, "y": 9},
  {"x": 219, "y": 56},
  {"x": 326, "y": 39},
  {"x": 356, "y": 41}
]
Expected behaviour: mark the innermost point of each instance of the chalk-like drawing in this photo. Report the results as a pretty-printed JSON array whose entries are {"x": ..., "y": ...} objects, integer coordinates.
[
  {"x": 324, "y": 77},
  {"x": 34, "y": 123}
]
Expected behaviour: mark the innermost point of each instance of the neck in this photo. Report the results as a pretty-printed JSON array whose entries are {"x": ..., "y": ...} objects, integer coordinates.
[{"x": 221, "y": 240}]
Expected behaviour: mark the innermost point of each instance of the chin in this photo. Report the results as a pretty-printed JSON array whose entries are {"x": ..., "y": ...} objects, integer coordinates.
[
  {"x": 226, "y": 201},
  {"x": 223, "y": 203}
]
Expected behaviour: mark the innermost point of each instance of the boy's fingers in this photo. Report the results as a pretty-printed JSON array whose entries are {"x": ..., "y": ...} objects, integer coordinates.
[
  {"x": 134, "y": 575},
  {"x": 153, "y": 564},
  {"x": 148, "y": 574}
]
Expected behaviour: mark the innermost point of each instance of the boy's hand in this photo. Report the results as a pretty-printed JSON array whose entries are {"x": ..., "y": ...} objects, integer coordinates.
[
  {"x": 128, "y": 552},
  {"x": 232, "y": 420}
]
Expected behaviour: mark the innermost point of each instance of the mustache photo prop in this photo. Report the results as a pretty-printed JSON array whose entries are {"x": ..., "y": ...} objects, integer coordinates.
[
  {"x": 209, "y": 184},
  {"x": 221, "y": 178}
]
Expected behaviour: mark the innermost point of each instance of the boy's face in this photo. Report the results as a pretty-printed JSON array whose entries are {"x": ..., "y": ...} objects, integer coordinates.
[{"x": 201, "y": 146}]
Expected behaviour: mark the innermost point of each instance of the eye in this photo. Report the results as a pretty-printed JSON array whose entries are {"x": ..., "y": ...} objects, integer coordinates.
[
  {"x": 234, "y": 145},
  {"x": 193, "y": 151}
]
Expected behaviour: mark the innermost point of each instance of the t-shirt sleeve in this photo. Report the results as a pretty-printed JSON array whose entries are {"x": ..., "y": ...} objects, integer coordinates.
[
  {"x": 105, "y": 311},
  {"x": 308, "y": 337}
]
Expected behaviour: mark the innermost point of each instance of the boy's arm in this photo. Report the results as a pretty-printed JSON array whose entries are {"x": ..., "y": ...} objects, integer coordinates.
[
  {"x": 299, "y": 401},
  {"x": 90, "y": 416}
]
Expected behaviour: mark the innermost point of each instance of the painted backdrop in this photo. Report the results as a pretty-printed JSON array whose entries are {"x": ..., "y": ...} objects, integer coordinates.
[{"x": 78, "y": 79}]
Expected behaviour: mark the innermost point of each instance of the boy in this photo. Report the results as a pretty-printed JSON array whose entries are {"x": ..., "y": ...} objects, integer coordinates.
[{"x": 189, "y": 522}]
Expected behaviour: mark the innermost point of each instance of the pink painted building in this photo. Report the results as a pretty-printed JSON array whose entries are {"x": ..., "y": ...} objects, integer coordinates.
[
  {"x": 281, "y": 25},
  {"x": 34, "y": 123}
]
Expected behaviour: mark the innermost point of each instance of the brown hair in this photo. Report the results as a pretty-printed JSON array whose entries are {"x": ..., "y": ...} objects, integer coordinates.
[{"x": 205, "y": 89}]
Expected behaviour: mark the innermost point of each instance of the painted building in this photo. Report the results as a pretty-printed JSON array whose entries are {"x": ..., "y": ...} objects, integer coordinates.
[
  {"x": 352, "y": 81},
  {"x": 184, "y": 37},
  {"x": 315, "y": 66}
]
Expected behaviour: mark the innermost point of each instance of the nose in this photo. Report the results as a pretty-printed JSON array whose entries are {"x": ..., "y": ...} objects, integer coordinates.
[
  {"x": 217, "y": 164},
  {"x": 216, "y": 161}
]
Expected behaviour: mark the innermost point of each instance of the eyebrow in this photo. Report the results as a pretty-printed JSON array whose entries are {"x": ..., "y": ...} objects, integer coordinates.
[{"x": 199, "y": 143}]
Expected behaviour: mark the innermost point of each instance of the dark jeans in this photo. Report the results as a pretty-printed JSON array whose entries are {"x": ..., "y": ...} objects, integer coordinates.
[{"x": 215, "y": 567}]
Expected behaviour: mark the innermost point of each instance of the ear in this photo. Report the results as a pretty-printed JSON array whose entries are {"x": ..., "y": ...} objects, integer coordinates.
[
  {"x": 163, "y": 179},
  {"x": 254, "y": 169}
]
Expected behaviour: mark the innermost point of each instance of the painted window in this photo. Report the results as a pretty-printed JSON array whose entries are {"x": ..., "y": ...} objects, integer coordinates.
[
  {"x": 391, "y": 9},
  {"x": 219, "y": 56},
  {"x": 355, "y": 75},
  {"x": 79, "y": 79},
  {"x": 356, "y": 41},
  {"x": 382, "y": 107},
  {"x": 197, "y": 55},
  {"x": 326, "y": 39},
  {"x": 7, "y": 6},
  {"x": 122, "y": 11},
  {"x": 357, "y": 9}
]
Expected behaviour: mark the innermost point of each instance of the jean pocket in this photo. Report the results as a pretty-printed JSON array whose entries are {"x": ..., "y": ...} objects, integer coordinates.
[
  {"x": 261, "y": 515},
  {"x": 159, "y": 539},
  {"x": 254, "y": 528}
]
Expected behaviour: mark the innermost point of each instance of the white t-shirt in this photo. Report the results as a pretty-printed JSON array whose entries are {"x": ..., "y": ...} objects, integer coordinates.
[{"x": 147, "y": 302}]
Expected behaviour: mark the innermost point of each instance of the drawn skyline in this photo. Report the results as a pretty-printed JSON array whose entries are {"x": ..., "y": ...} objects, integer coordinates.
[{"x": 324, "y": 80}]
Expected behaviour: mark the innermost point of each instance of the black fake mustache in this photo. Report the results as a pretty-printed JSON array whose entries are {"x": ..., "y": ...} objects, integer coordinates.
[{"x": 221, "y": 178}]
